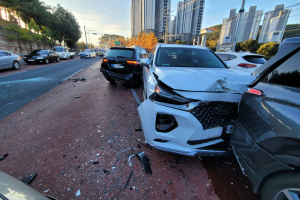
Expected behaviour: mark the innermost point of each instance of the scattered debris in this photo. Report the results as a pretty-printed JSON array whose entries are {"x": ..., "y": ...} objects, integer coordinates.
[
  {"x": 28, "y": 179},
  {"x": 138, "y": 129},
  {"x": 165, "y": 191},
  {"x": 97, "y": 170},
  {"x": 121, "y": 107},
  {"x": 2, "y": 157},
  {"x": 106, "y": 171},
  {"x": 172, "y": 166},
  {"x": 138, "y": 145},
  {"x": 46, "y": 190},
  {"x": 246, "y": 186},
  {"x": 96, "y": 162},
  {"x": 75, "y": 79},
  {"x": 127, "y": 180},
  {"x": 145, "y": 162},
  {"x": 62, "y": 172},
  {"x": 169, "y": 182},
  {"x": 64, "y": 155},
  {"x": 77, "y": 97},
  {"x": 99, "y": 131},
  {"x": 79, "y": 79},
  {"x": 113, "y": 167},
  {"x": 78, "y": 193},
  {"x": 145, "y": 145},
  {"x": 83, "y": 79}
]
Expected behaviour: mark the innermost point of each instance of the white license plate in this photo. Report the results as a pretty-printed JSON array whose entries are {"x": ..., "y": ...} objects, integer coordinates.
[
  {"x": 30, "y": 60},
  {"x": 117, "y": 66}
]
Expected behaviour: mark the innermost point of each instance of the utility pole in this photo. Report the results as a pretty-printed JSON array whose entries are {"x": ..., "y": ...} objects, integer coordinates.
[
  {"x": 238, "y": 27},
  {"x": 87, "y": 46}
]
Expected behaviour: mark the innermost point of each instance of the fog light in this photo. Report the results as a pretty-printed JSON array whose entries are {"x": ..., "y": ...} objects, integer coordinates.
[{"x": 165, "y": 123}]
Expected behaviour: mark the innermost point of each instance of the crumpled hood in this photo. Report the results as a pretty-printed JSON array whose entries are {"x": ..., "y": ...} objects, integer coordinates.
[{"x": 204, "y": 79}]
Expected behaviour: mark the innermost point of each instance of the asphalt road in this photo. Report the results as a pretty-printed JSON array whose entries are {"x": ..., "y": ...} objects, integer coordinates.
[{"x": 21, "y": 88}]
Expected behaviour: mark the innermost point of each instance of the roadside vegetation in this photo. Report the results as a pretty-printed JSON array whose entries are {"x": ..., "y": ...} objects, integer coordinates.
[{"x": 42, "y": 23}]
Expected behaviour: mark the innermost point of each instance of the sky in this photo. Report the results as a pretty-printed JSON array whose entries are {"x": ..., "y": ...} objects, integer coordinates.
[{"x": 113, "y": 16}]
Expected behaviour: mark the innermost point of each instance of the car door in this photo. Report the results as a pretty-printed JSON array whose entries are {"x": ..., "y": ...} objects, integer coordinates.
[
  {"x": 268, "y": 126},
  {"x": 6, "y": 60}
]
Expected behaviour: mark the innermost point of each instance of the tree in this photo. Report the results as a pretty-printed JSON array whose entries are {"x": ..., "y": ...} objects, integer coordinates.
[
  {"x": 251, "y": 45},
  {"x": 239, "y": 47},
  {"x": 82, "y": 45},
  {"x": 269, "y": 49}
]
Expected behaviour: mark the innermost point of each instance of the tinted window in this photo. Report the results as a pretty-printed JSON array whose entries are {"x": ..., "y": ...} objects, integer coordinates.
[
  {"x": 255, "y": 59},
  {"x": 39, "y": 52},
  {"x": 187, "y": 57},
  {"x": 288, "y": 73},
  {"x": 3, "y": 54},
  {"x": 231, "y": 57},
  {"x": 224, "y": 57},
  {"x": 120, "y": 53}
]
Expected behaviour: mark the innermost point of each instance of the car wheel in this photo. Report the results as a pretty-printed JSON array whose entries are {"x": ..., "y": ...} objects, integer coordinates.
[
  {"x": 46, "y": 61},
  {"x": 57, "y": 59},
  {"x": 90, "y": 56},
  {"x": 72, "y": 57},
  {"x": 16, "y": 65},
  {"x": 67, "y": 58},
  {"x": 282, "y": 186}
]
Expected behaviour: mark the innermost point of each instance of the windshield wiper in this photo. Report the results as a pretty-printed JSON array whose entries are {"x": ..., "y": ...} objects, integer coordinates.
[{"x": 121, "y": 57}]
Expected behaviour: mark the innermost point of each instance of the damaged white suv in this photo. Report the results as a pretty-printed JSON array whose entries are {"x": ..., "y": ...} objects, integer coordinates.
[{"x": 190, "y": 100}]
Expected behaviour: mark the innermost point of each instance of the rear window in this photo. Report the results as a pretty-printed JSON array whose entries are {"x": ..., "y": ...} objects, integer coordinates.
[
  {"x": 120, "y": 53},
  {"x": 39, "y": 52},
  {"x": 59, "y": 49},
  {"x": 187, "y": 57},
  {"x": 255, "y": 59},
  {"x": 224, "y": 57}
]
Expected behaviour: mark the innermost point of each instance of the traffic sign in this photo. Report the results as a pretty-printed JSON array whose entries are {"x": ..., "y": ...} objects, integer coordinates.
[{"x": 117, "y": 42}]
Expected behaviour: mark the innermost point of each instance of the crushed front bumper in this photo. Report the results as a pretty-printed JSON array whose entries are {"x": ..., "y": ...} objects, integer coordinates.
[
  {"x": 118, "y": 77},
  {"x": 188, "y": 138}
]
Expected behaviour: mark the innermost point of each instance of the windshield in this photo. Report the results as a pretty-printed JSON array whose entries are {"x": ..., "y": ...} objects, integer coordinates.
[
  {"x": 187, "y": 57},
  {"x": 59, "y": 49},
  {"x": 86, "y": 50},
  {"x": 120, "y": 53},
  {"x": 39, "y": 52}
]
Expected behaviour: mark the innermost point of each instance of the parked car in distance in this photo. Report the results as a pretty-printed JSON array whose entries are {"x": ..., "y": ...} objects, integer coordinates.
[
  {"x": 41, "y": 56},
  {"x": 247, "y": 62},
  {"x": 13, "y": 189},
  {"x": 9, "y": 60},
  {"x": 63, "y": 52},
  {"x": 191, "y": 98},
  {"x": 88, "y": 53},
  {"x": 266, "y": 140},
  {"x": 122, "y": 64}
]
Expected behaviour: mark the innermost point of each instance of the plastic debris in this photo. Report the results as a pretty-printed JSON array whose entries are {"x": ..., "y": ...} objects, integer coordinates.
[
  {"x": 121, "y": 107},
  {"x": 145, "y": 162},
  {"x": 138, "y": 129},
  {"x": 77, "y": 97},
  {"x": 78, "y": 193},
  {"x": 99, "y": 131},
  {"x": 46, "y": 190},
  {"x": 127, "y": 180},
  {"x": 106, "y": 171},
  {"x": 145, "y": 145},
  {"x": 28, "y": 179},
  {"x": 2, "y": 157},
  {"x": 96, "y": 162}
]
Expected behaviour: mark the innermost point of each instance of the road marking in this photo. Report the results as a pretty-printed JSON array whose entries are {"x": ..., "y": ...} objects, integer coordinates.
[
  {"x": 138, "y": 101},
  {"x": 13, "y": 74},
  {"x": 63, "y": 80}
]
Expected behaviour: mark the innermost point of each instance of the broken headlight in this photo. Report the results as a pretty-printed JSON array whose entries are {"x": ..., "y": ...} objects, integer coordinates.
[{"x": 164, "y": 93}]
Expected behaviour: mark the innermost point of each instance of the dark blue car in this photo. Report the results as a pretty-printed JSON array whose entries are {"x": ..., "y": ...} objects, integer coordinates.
[{"x": 266, "y": 140}]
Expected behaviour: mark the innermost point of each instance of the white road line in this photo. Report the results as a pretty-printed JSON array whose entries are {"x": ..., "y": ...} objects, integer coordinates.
[
  {"x": 138, "y": 101},
  {"x": 70, "y": 76},
  {"x": 13, "y": 74}
]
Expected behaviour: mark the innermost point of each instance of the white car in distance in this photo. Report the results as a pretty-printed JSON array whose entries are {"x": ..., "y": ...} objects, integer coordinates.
[
  {"x": 244, "y": 61},
  {"x": 63, "y": 52},
  {"x": 190, "y": 101},
  {"x": 88, "y": 53}
]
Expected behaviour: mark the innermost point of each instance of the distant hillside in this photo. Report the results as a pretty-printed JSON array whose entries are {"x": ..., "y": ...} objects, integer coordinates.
[{"x": 292, "y": 30}]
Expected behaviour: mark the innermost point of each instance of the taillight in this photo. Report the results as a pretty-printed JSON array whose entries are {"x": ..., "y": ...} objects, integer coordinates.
[
  {"x": 105, "y": 60},
  {"x": 246, "y": 65},
  {"x": 133, "y": 62},
  {"x": 254, "y": 91}
]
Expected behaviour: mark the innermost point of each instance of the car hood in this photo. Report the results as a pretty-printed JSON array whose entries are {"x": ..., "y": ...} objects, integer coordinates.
[{"x": 204, "y": 79}]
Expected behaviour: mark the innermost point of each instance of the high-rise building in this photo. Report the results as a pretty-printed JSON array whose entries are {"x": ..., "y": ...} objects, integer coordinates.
[
  {"x": 162, "y": 18},
  {"x": 136, "y": 17},
  {"x": 172, "y": 33},
  {"x": 189, "y": 20},
  {"x": 274, "y": 24},
  {"x": 248, "y": 27}
]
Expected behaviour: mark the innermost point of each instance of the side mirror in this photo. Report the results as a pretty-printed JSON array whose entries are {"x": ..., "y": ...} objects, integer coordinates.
[
  {"x": 145, "y": 62},
  {"x": 227, "y": 64}
]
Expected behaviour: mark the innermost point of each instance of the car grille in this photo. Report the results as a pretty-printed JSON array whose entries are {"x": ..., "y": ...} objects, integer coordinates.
[{"x": 215, "y": 113}]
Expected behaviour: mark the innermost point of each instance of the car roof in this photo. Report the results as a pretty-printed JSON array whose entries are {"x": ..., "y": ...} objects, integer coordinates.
[
  {"x": 294, "y": 40},
  {"x": 182, "y": 46},
  {"x": 239, "y": 53}
]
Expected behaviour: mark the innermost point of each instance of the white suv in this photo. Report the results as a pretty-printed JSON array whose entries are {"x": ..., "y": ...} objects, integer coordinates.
[
  {"x": 63, "y": 52},
  {"x": 190, "y": 99},
  {"x": 244, "y": 61}
]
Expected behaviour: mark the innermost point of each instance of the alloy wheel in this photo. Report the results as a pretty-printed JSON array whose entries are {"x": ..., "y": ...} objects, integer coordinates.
[
  {"x": 16, "y": 65},
  {"x": 46, "y": 61},
  {"x": 288, "y": 194}
]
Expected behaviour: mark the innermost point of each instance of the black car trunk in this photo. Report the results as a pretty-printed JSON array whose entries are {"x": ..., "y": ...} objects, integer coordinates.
[{"x": 119, "y": 65}]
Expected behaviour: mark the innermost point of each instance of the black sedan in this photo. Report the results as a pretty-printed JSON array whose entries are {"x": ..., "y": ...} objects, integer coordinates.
[{"x": 41, "y": 56}]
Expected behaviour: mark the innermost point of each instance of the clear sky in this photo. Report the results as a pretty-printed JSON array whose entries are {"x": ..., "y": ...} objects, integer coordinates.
[{"x": 113, "y": 16}]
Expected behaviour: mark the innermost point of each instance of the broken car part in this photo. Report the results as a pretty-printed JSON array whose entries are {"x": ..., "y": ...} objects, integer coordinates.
[
  {"x": 28, "y": 179},
  {"x": 106, "y": 171},
  {"x": 127, "y": 182},
  {"x": 145, "y": 162},
  {"x": 190, "y": 90},
  {"x": 2, "y": 157}
]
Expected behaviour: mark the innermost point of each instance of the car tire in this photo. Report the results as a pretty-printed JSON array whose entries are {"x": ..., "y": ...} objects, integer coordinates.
[
  {"x": 281, "y": 185},
  {"x": 72, "y": 57},
  {"x": 16, "y": 65},
  {"x": 57, "y": 59},
  {"x": 46, "y": 61},
  {"x": 67, "y": 58}
]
